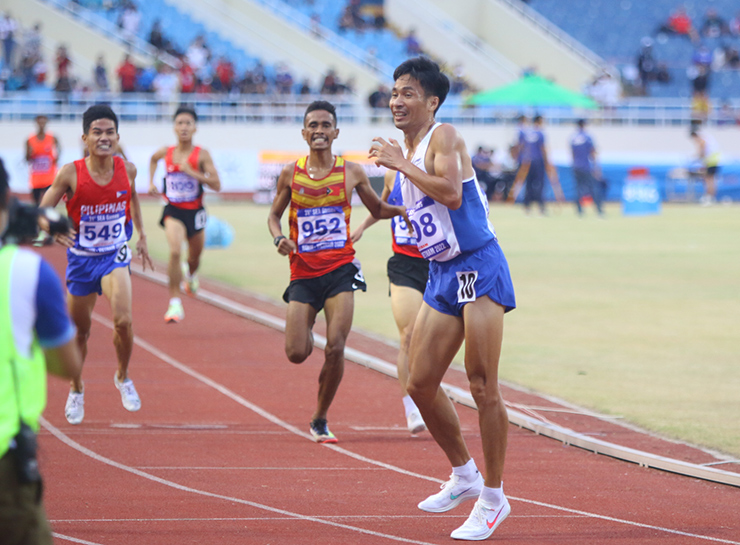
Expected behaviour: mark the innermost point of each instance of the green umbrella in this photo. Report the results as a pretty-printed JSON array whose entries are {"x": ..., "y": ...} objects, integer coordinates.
[{"x": 531, "y": 91}]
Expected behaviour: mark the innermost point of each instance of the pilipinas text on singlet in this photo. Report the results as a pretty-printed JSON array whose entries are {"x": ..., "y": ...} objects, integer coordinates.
[
  {"x": 319, "y": 221},
  {"x": 442, "y": 233},
  {"x": 403, "y": 241},
  {"x": 180, "y": 189},
  {"x": 101, "y": 214}
]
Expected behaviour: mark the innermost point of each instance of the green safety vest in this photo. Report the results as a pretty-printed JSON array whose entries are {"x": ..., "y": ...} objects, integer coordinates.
[{"x": 30, "y": 373}]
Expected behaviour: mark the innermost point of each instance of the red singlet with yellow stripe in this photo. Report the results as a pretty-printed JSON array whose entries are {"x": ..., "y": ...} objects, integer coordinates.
[{"x": 319, "y": 222}]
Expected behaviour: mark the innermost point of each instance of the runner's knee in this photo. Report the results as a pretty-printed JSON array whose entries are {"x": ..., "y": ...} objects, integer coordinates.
[{"x": 485, "y": 394}]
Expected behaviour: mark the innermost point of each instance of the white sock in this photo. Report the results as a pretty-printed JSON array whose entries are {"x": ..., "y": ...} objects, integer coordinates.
[
  {"x": 408, "y": 405},
  {"x": 175, "y": 301},
  {"x": 468, "y": 472},
  {"x": 492, "y": 497}
]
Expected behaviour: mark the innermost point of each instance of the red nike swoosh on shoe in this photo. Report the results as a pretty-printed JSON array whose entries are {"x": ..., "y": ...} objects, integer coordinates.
[{"x": 493, "y": 522}]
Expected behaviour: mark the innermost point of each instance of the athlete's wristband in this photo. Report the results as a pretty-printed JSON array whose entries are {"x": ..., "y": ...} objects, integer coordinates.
[{"x": 277, "y": 239}]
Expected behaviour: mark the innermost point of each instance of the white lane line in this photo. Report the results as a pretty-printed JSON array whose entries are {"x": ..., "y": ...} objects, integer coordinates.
[
  {"x": 99, "y": 458},
  {"x": 261, "y": 519},
  {"x": 74, "y": 539},
  {"x": 277, "y": 421},
  {"x": 208, "y": 468}
]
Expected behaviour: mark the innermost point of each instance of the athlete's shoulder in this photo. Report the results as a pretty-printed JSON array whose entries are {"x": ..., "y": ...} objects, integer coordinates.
[
  {"x": 446, "y": 135},
  {"x": 130, "y": 168}
]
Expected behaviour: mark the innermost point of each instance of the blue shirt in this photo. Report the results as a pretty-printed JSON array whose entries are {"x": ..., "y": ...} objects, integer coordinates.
[
  {"x": 582, "y": 147},
  {"x": 534, "y": 143},
  {"x": 37, "y": 304}
]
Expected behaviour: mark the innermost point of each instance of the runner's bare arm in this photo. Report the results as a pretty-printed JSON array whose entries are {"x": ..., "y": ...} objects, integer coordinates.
[
  {"x": 359, "y": 181},
  {"x": 282, "y": 199},
  {"x": 209, "y": 174},
  {"x": 29, "y": 151},
  {"x": 370, "y": 220},
  {"x": 156, "y": 158},
  {"x": 64, "y": 182},
  {"x": 444, "y": 181},
  {"x": 141, "y": 248}
]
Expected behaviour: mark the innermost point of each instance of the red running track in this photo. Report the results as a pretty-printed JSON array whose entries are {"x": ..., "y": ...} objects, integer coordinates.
[{"x": 220, "y": 453}]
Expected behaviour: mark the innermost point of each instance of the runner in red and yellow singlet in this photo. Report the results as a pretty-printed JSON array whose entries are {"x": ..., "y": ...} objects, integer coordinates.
[
  {"x": 104, "y": 208},
  {"x": 42, "y": 154},
  {"x": 323, "y": 271},
  {"x": 188, "y": 169}
]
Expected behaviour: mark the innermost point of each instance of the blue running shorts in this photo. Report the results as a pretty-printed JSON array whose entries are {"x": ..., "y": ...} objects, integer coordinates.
[
  {"x": 461, "y": 280},
  {"x": 84, "y": 272}
]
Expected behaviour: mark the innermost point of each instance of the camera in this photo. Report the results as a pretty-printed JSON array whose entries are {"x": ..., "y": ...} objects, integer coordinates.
[
  {"x": 24, "y": 448},
  {"x": 23, "y": 224}
]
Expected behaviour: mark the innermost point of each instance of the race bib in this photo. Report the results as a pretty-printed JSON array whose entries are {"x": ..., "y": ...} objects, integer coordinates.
[
  {"x": 430, "y": 238},
  {"x": 466, "y": 290},
  {"x": 401, "y": 232},
  {"x": 102, "y": 232},
  {"x": 181, "y": 187},
  {"x": 41, "y": 164},
  {"x": 123, "y": 255},
  {"x": 321, "y": 228}
]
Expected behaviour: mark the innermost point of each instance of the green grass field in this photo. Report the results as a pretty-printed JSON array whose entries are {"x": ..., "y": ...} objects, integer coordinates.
[{"x": 631, "y": 316}]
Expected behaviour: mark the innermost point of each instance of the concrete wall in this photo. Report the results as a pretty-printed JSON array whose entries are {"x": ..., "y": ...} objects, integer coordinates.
[{"x": 522, "y": 42}]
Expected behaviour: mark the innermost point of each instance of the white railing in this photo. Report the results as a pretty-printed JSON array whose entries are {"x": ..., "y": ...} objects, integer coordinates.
[{"x": 21, "y": 105}]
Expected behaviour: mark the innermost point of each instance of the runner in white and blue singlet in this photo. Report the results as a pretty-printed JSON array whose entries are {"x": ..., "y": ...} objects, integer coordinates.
[{"x": 468, "y": 292}]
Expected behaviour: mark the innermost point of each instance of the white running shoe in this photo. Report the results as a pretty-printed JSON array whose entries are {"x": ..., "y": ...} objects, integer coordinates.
[
  {"x": 482, "y": 522},
  {"x": 453, "y": 493},
  {"x": 415, "y": 422},
  {"x": 175, "y": 313},
  {"x": 129, "y": 397},
  {"x": 74, "y": 409}
]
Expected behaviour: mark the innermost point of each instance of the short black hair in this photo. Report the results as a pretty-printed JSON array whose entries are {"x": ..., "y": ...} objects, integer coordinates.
[
  {"x": 581, "y": 123},
  {"x": 427, "y": 73},
  {"x": 95, "y": 112},
  {"x": 185, "y": 110},
  {"x": 537, "y": 118},
  {"x": 321, "y": 105},
  {"x": 4, "y": 186}
]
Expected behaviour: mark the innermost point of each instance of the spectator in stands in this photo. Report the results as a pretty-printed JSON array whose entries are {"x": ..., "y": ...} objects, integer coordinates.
[
  {"x": 283, "y": 79},
  {"x": 458, "y": 83},
  {"x": 345, "y": 20},
  {"x": 127, "y": 73},
  {"x": 679, "y": 24},
  {"x": 32, "y": 41},
  {"x": 63, "y": 62},
  {"x": 260, "y": 78},
  {"x": 305, "y": 88},
  {"x": 378, "y": 101},
  {"x": 330, "y": 86},
  {"x": 165, "y": 83},
  {"x": 156, "y": 38},
  {"x": 483, "y": 167},
  {"x": 606, "y": 90},
  {"x": 145, "y": 79},
  {"x": 187, "y": 76},
  {"x": 100, "y": 75},
  {"x": 646, "y": 65},
  {"x": 198, "y": 54},
  {"x": 714, "y": 26},
  {"x": 355, "y": 11},
  {"x": 30, "y": 55},
  {"x": 732, "y": 57},
  {"x": 700, "y": 104},
  {"x": 413, "y": 47},
  {"x": 8, "y": 30},
  {"x": 224, "y": 80},
  {"x": 130, "y": 21}
]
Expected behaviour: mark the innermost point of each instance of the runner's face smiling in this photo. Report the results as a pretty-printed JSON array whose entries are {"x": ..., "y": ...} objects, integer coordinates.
[
  {"x": 319, "y": 130},
  {"x": 102, "y": 137},
  {"x": 409, "y": 104}
]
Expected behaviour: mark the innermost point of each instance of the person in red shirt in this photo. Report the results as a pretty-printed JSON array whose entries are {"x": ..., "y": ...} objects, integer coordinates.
[
  {"x": 42, "y": 153},
  {"x": 679, "y": 24},
  {"x": 187, "y": 77},
  {"x": 188, "y": 169},
  {"x": 127, "y": 75},
  {"x": 225, "y": 74},
  {"x": 103, "y": 207}
]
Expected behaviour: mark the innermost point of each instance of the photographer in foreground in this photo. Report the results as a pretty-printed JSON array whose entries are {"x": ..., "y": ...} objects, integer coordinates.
[{"x": 36, "y": 336}]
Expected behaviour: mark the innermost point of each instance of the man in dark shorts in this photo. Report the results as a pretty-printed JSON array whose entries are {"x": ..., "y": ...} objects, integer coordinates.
[
  {"x": 408, "y": 273},
  {"x": 188, "y": 169},
  {"x": 324, "y": 273}
]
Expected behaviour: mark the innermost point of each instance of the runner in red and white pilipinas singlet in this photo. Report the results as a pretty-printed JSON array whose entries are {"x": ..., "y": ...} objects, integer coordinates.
[
  {"x": 319, "y": 222},
  {"x": 180, "y": 189},
  {"x": 101, "y": 214}
]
